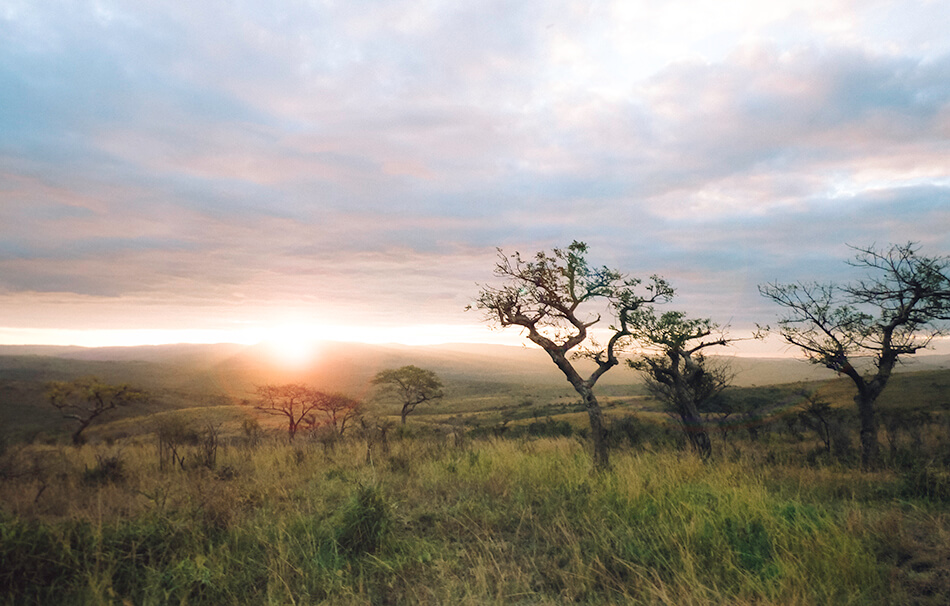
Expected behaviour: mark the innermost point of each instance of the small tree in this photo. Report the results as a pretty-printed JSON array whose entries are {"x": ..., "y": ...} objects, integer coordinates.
[
  {"x": 550, "y": 296},
  {"x": 293, "y": 400},
  {"x": 86, "y": 399},
  {"x": 411, "y": 385},
  {"x": 816, "y": 414},
  {"x": 337, "y": 411},
  {"x": 676, "y": 370},
  {"x": 897, "y": 310}
]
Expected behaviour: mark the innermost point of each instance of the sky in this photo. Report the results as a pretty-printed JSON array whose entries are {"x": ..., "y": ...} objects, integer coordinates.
[{"x": 237, "y": 171}]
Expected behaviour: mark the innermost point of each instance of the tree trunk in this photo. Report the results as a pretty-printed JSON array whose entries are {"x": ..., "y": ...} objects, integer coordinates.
[
  {"x": 869, "y": 444},
  {"x": 689, "y": 412},
  {"x": 404, "y": 414},
  {"x": 291, "y": 430},
  {"x": 695, "y": 431},
  {"x": 598, "y": 429},
  {"x": 77, "y": 436}
]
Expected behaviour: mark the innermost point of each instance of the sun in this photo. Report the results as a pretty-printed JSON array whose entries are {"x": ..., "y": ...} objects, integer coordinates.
[{"x": 291, "y": 346}]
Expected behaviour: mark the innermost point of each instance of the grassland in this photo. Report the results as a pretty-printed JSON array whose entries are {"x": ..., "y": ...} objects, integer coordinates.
[
  {"x": 439, "y": 521},
  {"x": 488, "y": 498}
]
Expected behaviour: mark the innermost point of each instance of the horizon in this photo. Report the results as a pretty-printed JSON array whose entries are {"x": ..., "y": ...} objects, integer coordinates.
[
  {"x": 308, "y": 349},
  {"x": 245, "y": 174}
]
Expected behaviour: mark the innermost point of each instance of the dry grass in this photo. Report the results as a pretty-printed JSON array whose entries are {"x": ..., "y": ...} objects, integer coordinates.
[{"x": 493, "y": 521}]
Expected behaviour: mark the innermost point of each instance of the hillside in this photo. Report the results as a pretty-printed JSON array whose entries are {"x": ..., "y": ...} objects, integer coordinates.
[{"x": 477, "y": 377}]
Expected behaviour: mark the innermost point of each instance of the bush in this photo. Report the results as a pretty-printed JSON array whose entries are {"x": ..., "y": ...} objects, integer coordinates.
[
  {"x": 628, "y": 430},
  {"x": 108, "y": 470},
  {"x": 366, "y": 522},
  {"x": 926, "y": 482}
]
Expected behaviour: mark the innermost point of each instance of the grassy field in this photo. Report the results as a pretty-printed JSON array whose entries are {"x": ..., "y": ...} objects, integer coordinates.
[
  {"x": 442, "y": 521},
  {"x": 487, "y": 498}
]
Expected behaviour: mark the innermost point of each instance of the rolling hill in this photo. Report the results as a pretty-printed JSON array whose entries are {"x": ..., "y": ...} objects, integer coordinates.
[{"x": 184, "y": 376}]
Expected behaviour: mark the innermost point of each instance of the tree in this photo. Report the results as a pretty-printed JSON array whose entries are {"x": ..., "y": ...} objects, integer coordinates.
[
  {"x": 816, "y": 414},
  {"x": 901, "y": 305},
  {"x": 411, "y": 385},
  {"x": 86, "y": 399},
  {"x": 336, "y": 410},
  {"x": 551, "y": 297},
  {"x": 293, "y": 400},
  {"x": 676, "y": 370}
]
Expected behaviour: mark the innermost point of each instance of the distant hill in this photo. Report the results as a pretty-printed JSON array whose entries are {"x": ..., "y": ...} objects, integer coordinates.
[
  {"x": 349, "y": 366},
  {"x": 182, "y": 376}
]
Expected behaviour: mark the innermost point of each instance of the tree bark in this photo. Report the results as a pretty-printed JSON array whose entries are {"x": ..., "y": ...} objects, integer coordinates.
[
  {"x": 869, "y": 444},
  {"x": 695, "y": 431},
  {"x": 598, "y": 429}
]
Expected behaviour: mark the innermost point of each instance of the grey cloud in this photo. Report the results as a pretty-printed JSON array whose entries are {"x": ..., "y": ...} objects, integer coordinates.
[{"x": 235, "y": 151}]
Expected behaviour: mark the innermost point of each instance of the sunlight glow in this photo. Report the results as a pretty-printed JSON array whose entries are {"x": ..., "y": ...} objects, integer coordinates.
[{"x": 293, "y": 346}]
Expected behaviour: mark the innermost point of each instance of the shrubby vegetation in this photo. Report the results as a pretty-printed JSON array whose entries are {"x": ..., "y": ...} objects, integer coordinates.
[{"x": 523, "y": 518}]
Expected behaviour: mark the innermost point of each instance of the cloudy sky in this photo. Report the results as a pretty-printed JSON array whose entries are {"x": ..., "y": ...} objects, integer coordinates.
[{"x": 225, "y": 171}]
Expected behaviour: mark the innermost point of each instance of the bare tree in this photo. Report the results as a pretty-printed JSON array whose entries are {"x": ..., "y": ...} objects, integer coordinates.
[
  {"x": 86, "y": 399},
  {"x": 411, "y": 385},
  {"x": 551, "y": 296},
  {"x": 896, "y": 310},
  {"x": 676, "y": 369}
]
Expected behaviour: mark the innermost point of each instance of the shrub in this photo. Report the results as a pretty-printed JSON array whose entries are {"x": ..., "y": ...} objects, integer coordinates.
[
  {"x": 926, "y": 482},
  {"x": 627, "y": 429},
  {"x": 366, "y": 522},
  {"x": 108, "y": 470}
]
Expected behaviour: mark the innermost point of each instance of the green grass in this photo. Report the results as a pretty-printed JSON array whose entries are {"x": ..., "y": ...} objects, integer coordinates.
[
  {"x": 518, "y": 519},
  {"x": 494, "y": 521}
]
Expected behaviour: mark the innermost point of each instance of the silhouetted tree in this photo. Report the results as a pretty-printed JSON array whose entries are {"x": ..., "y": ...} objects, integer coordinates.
[
  {"x": 293, "y": 400},
  {"x": 676, "y": 370},
  {"x": 336, "y": 411},
  {"x": 550, "y": 296},
  {"x": 411, "y": 385},
  {"x": 86, "y": 399},
  {"x": 897, "y": 310}
]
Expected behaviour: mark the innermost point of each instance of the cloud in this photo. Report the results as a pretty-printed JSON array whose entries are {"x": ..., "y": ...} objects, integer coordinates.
[{"x": 365, "y": 159}]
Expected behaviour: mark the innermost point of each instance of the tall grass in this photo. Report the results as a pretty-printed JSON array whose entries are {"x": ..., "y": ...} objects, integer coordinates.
[{"x": 495, "y": 521}]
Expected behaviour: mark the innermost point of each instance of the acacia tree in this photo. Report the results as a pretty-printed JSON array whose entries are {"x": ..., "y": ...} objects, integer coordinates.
[
  {"x": 411, "y": 385},
  {"x": 901, "y": 305},
  {"x": 676, "y": 370},
  {"x": 293, "y": 400},
  {"x": 336, "y": 410},
  {"x": 86, "y": 399},
  {"x": 551, "y": 296}
]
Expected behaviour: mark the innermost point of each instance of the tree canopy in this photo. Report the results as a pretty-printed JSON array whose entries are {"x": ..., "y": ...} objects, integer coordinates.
[
  {"x": 899, "y": 307},
  {"x": 557, "y": 298},
  {"x": 676, "y": 370},
  {"x": 411, "y": 385},
  {"x": 305, "y": 406},
  {"x": 85, "y": 399}
]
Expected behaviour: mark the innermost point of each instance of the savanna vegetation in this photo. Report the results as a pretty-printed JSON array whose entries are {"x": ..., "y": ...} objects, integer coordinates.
[
  {"x": 490, "y": 492},
  {"x": 503, "y": 504}
]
